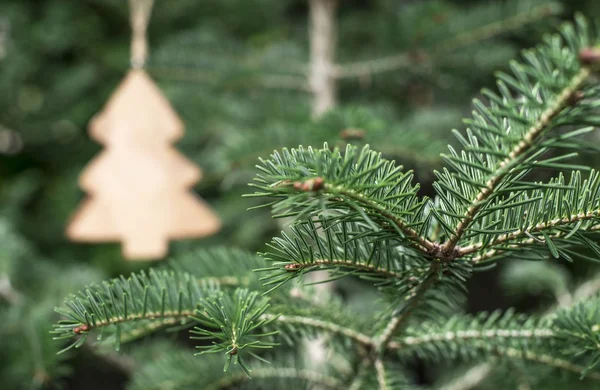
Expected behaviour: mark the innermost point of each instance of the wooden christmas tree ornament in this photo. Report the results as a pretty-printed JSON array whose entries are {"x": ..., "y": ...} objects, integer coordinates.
[{"x": 139, "y": 187}]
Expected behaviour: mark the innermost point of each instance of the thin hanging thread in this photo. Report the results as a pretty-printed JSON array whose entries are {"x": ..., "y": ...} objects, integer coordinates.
[{"x": 139, "y": 17}]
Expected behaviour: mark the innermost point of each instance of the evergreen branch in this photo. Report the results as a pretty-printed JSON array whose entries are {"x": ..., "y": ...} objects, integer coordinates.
[
  {"x": 362, "y": 372},
  {"x": 345, "y": 248},
  {"x": 544, "y": 120},
  {"x": 578, "y": 327},
  {"x": 421, "y": 242},
  {"x": 478, "y": 373},
  {"x": 547, "y": 360},
  {"x": 240, "y": 321},
  {"x": 165, "y": 297},
  {"x": 299, "y": 319},
  {"x": 307, "y": 181},
  {"x": 136, "y": 329},
  {"x": 480, "y": 33},
  {"x": 387, "y": 375},
  {"x": 528, "y": 232},
  {"x": 527, "y": 218},
  {"x": 381, "y": 374},
  {"x": 319, "y": 324},
  {"x": 572, "y": 334},
  {"x": 401, "y": 317},
  {"x": 467, "y": 335},
  {"x": 506, "y": 138},
  {"x": 561, "y": 237}
]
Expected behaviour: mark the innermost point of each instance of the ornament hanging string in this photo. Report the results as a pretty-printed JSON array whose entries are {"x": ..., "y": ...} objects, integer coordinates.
[{"x": 139, "y": 17}]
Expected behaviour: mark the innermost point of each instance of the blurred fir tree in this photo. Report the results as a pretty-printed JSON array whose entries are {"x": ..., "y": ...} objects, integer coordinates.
[{"x": 239, "y": 73}]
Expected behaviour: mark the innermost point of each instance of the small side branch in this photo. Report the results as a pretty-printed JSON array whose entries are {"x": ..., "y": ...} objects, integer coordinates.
[
  {"x": 545, "y": 119},
  {"x": 547, "y": 360},
  {"x": 381, "y": 375},
  {"x": 159, "y": 320},
  {"x": 361, "y": 338},
  {"x": 509, "y": 237},
  {"x": 397, "y": 321},
  {"x": 477, "y": 374},
  {"x": 466, "y": 335},
  {"x": 422, "y": 243},
  {"x": 522, "y": 243}
]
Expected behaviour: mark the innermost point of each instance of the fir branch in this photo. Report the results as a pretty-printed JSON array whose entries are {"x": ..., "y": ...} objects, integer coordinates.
[
  {"x": 240, "y": 322},
  {"x": 399, "y": 319},
  {"x": 134, "y": 330},
  {"x": 165, "y": 297},
  {"x": 506, "y": 138},
  {"x": 327, "y": 326},
  {"x": 360, "y": 182},
  {"x": 544, "y": 119},
  {"x": 421, "y": 242},
  {"x": 547, "y": 360},
  {"x": 405, "y": 60},
  {"x": 540, "y": 227},
  {"x": 578, "y": 327},
  {"x": 467, "y": 335},
  {"x": 530, "y": 243},
  {"x": 381, "y": 374},
  {"x": 479, "y": 373},
  {"x": 345, "y": 248},
  {"x": 540, "y": 215},
  {"x": 362, "y": 372},
  {"x": 555, "y": 341},
  {"x": 387, "y": 375}
]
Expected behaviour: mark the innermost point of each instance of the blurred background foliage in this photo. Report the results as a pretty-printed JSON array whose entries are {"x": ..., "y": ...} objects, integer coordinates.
[{"x": 236, "y": 71}]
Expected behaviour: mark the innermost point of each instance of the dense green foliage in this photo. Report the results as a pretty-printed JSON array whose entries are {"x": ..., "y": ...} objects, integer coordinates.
[
  {"x": 402, "y": 254},
  {"x": 358, "y": 214}
]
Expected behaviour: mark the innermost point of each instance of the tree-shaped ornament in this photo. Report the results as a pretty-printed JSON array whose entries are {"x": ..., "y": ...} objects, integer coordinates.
[{"x": 140, "y": 187}]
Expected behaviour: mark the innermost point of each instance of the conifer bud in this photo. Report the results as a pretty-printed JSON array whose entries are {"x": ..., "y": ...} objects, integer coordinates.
[
  {"x": 292, "y": 267},
  {"x": 576, "y": 97},
  {"x": 352, "y": 134},
  {"x": 589, "y": 56},
  {"x": 309, "y": 185}
]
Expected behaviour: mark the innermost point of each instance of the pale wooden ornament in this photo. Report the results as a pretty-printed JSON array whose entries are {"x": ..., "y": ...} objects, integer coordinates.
[{"x": 139, "y": 186}]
